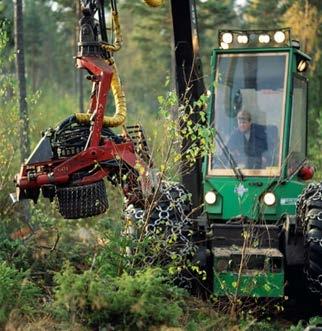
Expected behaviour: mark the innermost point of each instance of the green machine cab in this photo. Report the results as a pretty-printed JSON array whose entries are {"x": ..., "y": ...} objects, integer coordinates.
[{"x": 253, "y": 180}]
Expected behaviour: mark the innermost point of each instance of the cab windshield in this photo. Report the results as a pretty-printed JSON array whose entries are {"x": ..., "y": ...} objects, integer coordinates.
[{"x": 248, "y": 113}]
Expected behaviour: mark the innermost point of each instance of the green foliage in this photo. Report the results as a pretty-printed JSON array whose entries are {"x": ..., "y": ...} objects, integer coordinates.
[
  {"x": 147, "y": 36},
  {"x": 188, "y": 135},
  {"x": 50, "y": 40},
  {"x": 49, "y": 107},
  {"x": 112, "y": 260},
  {"x": 16, "y": 291},
  {"x": 127, "y": 302},
  {"x": 213, "y": 16},
  {"x": 264, "y": 14},
  {"x": 14, "y": 252},
  {"x": 9, "y": 133},
  {"x": 45, "y": 109},
  {"x": 313, "y": 322},
  {"x": 315, "y": 142},
  {"x": 6, "y": 16}
]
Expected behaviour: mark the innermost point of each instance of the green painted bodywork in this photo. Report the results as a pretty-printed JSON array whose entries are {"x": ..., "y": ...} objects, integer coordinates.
[
  {"x": 237, "y": 197},
  {"x": 229, "y": 205},
  {"x": 257, "y": 284}
]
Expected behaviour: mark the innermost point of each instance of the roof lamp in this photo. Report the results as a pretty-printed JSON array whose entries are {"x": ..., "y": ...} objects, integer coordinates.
[
  {"x": 242, "y": 39},
  {"x": 279, "y": 37},
  {"x": 264, "y": 38},
  {"x": 227, "y": 38},
  {"x": 269, "y": 199},
  {"x": 210, "y": 197},
  {"x": 295, "y": 44}
]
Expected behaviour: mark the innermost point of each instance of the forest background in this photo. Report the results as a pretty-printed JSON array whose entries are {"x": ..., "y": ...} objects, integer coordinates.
[
  {"x": 51, "y": 42},
  {"x": 53, "y": 93}
]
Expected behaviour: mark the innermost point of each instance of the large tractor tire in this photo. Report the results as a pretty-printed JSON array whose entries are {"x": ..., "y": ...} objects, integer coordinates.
[{"x": 309, "y": 210}]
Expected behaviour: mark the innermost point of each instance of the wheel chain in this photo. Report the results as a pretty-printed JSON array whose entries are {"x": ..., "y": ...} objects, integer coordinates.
[
  {"x": 314, "y": 240},
  {"x": 169, "y": 224},
  {"x": 311, "y": 197},
  {"x": 314, "y": 283},
  {"x": 309, "y": 212}
]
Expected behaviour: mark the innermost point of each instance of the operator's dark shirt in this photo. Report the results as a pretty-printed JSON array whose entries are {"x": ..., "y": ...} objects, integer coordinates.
[{"x": 249, "y": 152}]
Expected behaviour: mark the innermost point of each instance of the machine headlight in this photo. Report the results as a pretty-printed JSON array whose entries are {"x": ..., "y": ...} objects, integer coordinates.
[
  {"x": 224, "y": 45},
  {"x": 264, "y": 38},
  {"x": 302, "y": 66},
  {"x": 227, "y": 38},
  {"x": 269, "y": 199},
  {"x": 242, "y": 39},
  {"x": 279, "y": 37},
  {"x": 210, "y": 197}
]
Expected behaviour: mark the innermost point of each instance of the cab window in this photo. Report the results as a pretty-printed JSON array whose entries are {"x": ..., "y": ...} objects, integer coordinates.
[
  {"x": 298, "y": 134},
  {"x": 248, "y": 113}
]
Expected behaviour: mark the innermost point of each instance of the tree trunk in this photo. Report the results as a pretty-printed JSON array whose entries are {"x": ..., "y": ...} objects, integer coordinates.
[
  {"x": 80, "y": 76},
  {"x": 22, "y": 93}
]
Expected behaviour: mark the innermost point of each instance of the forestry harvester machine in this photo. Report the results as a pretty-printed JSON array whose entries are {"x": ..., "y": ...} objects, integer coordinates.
[{"x": 261, "y": 222}]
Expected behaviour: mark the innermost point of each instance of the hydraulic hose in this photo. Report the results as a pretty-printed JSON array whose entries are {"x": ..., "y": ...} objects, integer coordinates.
[
  {"x": 154, "y": 3},
  {"x": 118, "y": 35},
  {"x": 120, "y": 104}
]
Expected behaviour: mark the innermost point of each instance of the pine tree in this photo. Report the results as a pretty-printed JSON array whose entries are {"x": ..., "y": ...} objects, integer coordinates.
[
  {"x": 305, "y": 20},
  {"x": 213, "y": 16},
  {"x": 50, "y": 46},
  {"x": 146, "y": 53},
  {"x": 267, "y": 14},
  {"x": 22, "y": 92}
]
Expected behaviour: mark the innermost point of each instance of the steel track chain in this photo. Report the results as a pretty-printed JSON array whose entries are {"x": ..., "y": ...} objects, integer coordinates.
[
  {"x": 309, "y": 211},
  {"x": 169, "y": 225}
]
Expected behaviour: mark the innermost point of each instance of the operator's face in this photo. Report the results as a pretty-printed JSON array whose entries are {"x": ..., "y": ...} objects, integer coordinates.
[{"x": 243, "y": 125}]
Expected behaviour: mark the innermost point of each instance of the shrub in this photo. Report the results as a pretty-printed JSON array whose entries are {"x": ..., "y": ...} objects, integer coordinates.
[
  {"x": 127, "y": 302},
  {"x": 16, "y": 291}
]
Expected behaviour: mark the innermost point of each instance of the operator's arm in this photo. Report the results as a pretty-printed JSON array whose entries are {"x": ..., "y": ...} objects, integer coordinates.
[
  {"x": 235, "y": 141},
  {"x": 236, "y": 147},
  {"x": 260, "y": 138}
]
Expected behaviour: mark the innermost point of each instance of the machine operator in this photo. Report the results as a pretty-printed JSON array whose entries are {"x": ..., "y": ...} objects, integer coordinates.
[{"x": 248, "y": 142}]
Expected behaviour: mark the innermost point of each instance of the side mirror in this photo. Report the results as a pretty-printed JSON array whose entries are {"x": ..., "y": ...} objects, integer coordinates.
[{"x": 306, "y": 172}]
